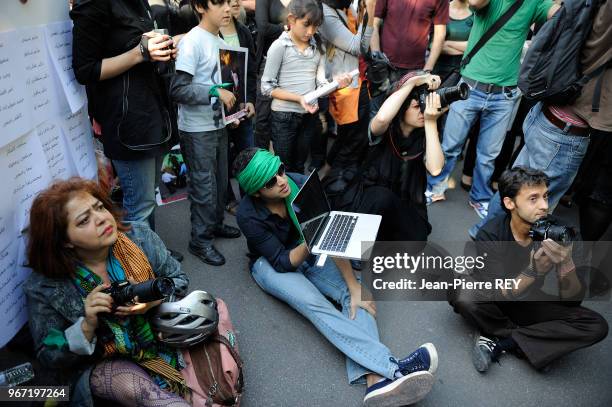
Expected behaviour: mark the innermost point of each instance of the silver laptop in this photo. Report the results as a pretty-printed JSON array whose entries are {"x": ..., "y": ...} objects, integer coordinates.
[{"x": 337, "y": 234}]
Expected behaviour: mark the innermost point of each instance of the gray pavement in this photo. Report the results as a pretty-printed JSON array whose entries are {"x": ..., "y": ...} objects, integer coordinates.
[{"x": 288, "y": 363}]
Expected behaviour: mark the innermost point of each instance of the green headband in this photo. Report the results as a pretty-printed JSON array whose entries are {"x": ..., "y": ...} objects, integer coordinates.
[{"x": 262, "y": 167}]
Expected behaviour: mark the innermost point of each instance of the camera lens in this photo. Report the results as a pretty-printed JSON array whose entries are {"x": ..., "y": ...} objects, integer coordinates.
[{"x": 453, "y": 93}]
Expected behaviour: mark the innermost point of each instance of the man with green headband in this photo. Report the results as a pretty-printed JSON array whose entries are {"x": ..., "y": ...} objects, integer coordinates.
[{"x": 283, "y": 267}]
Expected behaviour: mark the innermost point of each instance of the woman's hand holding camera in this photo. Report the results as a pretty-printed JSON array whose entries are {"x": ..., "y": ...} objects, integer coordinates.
[
  {"x": 432, "y": 81},
  {"x": 160, "y": 47},
  {"x": 433, "y": 108},
  {"x": 138, "y": 308},
  {"x": 96, "y": 302}
]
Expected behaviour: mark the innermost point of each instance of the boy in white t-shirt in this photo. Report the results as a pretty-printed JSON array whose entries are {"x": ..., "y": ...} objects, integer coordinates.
[{"x": 195, "y": 88}]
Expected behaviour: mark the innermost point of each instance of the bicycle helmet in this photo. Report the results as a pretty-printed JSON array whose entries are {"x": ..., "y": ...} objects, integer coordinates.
[{"x": 187, "y": 321}]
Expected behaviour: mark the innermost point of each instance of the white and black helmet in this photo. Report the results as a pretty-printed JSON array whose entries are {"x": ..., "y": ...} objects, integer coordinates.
[{"x": 187, "y": 321}]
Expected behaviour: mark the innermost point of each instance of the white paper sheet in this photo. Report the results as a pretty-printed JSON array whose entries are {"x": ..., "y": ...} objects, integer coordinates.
[
  {"x": 59, "y": 160},
  {"x": 38, "y": 73},
  {"x": 59, "y": 44},
  {"x": 25, "y": 166},
  {"x": 79, "y": 137},
  {"x": 14, "y": 103}
]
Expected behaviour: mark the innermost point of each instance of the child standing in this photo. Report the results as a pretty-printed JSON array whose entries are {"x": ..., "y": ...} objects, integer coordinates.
[
  {"x": 195, "y": 88},
  {"x": 295, "y": 66}
]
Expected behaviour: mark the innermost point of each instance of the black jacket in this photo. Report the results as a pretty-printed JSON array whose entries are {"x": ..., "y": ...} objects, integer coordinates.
[
  {"x": 132, "y": 108},
  {"x": 246, "y": 41}
]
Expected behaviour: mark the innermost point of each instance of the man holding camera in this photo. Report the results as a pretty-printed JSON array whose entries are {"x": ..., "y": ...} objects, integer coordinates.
[
  {"x": 519, "y": 245},
  {"x": 492, "y": 75}
]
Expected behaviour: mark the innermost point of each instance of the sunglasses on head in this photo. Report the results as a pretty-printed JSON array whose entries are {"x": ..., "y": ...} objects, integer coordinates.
[{"x": 281, "y": 171}]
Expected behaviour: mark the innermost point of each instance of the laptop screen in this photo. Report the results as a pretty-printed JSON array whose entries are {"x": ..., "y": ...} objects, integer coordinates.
[{"x": 310, "y": 203}]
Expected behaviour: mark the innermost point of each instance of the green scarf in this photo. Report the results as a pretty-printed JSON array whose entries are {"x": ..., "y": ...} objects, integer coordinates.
[{"x": 262, "y": 167}]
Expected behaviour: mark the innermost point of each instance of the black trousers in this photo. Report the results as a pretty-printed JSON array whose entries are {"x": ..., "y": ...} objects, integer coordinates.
[
  {"x": 544, "y": 331},
  {"x": 351, "y": 143},
  {"x": 262, "y": 115},
  {"x": 400, "y": 220}
]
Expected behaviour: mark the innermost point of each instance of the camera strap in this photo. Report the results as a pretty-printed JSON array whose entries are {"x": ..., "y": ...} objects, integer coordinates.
[{"x": 491, "y": 32}]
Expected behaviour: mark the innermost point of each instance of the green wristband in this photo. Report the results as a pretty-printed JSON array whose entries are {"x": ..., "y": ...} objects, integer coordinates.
[{"x": 214, "y": 92}]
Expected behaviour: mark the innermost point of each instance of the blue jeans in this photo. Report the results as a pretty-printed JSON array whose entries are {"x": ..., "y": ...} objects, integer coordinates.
[
  {"x": 205, "y": 155},
  {"x": 549, "y": 149},
  {"x": 138, "y": 180},
  {"x": 495, "y": 111},
  {"x": 305, "y": 290}
]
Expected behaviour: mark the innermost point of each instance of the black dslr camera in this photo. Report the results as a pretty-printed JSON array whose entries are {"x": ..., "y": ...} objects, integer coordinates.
[
  {"x": 447, "y": 95},
  {"x": 549, "y": 229},
  {"x": 123, "y": 292}
]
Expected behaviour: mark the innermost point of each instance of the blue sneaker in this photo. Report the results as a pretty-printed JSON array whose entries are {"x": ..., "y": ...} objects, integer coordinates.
[
  {"x": 401, "y": 391},
  {"x": 425, "y": 358},
  {"x": 481, "y": 208}
]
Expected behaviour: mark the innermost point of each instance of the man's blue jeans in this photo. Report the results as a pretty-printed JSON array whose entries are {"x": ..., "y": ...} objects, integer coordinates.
[
  {"x": 305, "y": 290},
  {"x": 138, "y": 180},
  {"x": 495, "y": 111},
  {"x": 549, "y": 149}
]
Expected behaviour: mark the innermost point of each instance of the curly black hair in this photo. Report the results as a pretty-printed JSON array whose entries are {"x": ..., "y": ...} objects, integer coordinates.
[{"x": 243, "y": 159}]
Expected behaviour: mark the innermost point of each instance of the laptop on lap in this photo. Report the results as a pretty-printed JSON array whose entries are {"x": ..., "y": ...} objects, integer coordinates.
[{"x": 334, "y": 233}]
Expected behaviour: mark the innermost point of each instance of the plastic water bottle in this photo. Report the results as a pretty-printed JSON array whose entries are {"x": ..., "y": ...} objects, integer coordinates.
[{"x": 16, "y": 375}]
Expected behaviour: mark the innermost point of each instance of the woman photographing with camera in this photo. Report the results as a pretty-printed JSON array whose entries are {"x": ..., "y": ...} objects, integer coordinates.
[
  {"x": 77, "y": 248},
  {"x": 404, "y": 146}
]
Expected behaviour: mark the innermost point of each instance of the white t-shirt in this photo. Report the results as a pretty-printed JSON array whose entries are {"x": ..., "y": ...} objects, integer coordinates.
[{"x": 198, "y": 53}]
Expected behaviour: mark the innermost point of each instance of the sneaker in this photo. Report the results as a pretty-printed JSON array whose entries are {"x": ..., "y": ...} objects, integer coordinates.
[
  {"x": 425, "y": 358},
  {"x": 401, "y": 391},
  {"x": 473, "y": 231},
  {"x": 481, "y": 208},
  {"x": 430, "y": 197},
  {"x": 482, "y": 354}
]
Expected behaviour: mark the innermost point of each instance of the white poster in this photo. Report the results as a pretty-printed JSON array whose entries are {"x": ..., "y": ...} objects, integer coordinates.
[
  {"x": 59, "y": 42},
  {"x": 38, "y": 73},
  {"x": 59, "y": 160},
  {"x": 14, "y": 106},
  {"x": 24, "y": 165},
  {"x": 79, "y": 137}
]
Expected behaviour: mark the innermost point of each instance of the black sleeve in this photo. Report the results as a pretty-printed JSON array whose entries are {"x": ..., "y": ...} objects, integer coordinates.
[
  {"x": 262, "y": 18},
  {"x": 252, "y": 66},
  {"x": 185, "y": 92},
  {"x": 91, "y": 19}
]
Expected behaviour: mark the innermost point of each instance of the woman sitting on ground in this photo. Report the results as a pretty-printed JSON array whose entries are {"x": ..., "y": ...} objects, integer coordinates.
[
  {"x": 77, "y": 247},
  {"x": 404, "y": 146}
]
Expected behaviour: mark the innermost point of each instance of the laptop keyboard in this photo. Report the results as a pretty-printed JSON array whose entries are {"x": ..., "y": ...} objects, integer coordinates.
[{"x": 339, "y": 233}]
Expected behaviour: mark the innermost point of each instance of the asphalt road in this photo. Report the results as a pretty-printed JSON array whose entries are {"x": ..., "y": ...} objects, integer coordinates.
[{"x": 288, "y": 363}]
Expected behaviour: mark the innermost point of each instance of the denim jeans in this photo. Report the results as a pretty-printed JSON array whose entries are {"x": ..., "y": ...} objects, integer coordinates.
[
  {"x": 495, "y": 111},
  {"x": 242, "y": 136},
  {"x": 549, "y": 149},
  {"x": 305, "y": 290},
  {"x": 291, "y": 136},
  {"x": 138, "y": 180},
  {"x": 205, "y": 155}
]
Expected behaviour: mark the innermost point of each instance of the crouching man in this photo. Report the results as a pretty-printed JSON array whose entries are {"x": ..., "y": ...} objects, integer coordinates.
[
  {"x": 528, "y": 320},
  {"x": 283, "y": 267}
]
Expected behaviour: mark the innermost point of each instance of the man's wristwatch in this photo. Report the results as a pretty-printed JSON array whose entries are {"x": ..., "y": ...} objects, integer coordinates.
[{"x": 144, "y": 48}]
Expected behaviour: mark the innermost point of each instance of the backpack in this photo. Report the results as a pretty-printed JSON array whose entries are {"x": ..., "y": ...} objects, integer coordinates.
[
  {"x": 217, "y": 368},
  {"x": 551, "y": 71}
]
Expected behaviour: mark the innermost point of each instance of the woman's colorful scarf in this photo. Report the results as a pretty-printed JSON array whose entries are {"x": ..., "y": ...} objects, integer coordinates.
[
  {"x": 262, "y": 167},
  {"x": 133, "y": 336}
]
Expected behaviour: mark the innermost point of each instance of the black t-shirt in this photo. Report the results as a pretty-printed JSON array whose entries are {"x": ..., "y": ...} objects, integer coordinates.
[{"x": 504, "y": 256}]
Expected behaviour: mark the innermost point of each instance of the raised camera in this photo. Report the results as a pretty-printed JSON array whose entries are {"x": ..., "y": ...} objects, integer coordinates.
[
  {"x": 123, "y": 292},
  {"x": 447, "y": 95},
  {"x": 549, "y": 229}
]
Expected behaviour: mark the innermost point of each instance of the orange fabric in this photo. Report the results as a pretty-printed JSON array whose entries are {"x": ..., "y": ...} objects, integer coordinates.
[{"x": 344, "y": 103}]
